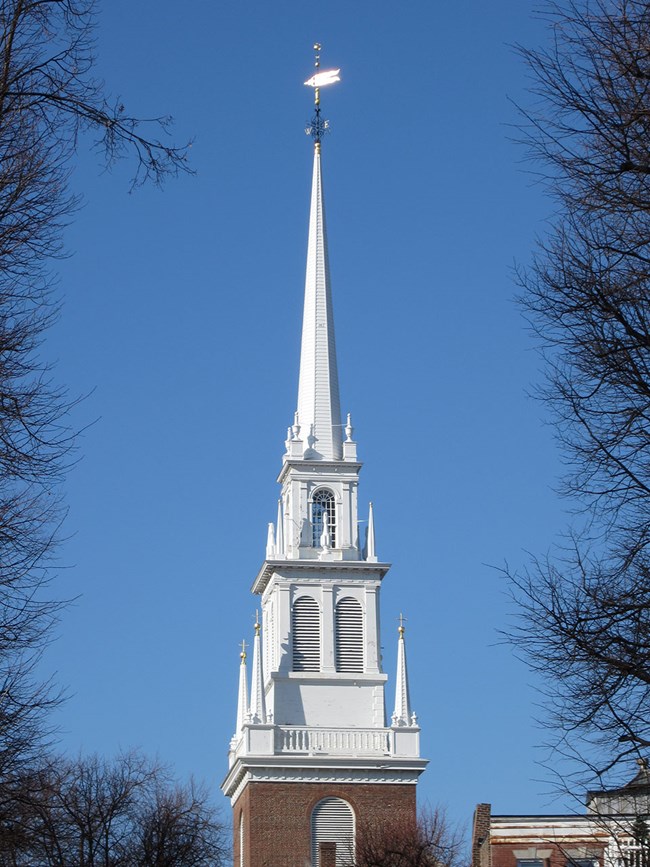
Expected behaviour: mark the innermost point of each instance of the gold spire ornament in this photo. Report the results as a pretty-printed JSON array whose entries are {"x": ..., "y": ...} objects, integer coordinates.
[{"x": 317, "y": 125}]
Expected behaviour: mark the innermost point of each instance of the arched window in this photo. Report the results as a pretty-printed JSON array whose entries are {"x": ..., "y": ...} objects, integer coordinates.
[
  {"x": 349, "y": 635},
  {"x": 305, "y": 630},
  {"x": 323, "y": 504},
  {"x": 241, "y": 839},
  {"x": 332, "y": 821}
]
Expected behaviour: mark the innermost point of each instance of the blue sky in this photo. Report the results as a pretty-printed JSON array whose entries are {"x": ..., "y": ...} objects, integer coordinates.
[{"x": 181, "y": 322}]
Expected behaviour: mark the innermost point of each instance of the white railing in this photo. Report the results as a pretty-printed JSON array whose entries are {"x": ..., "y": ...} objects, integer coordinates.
[
  {"x": 291, "y": 739},
  {"x": 629, "y": 855}
]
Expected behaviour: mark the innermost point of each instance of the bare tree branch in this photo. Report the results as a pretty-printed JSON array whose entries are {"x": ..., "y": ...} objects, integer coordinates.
[
  {"x": 95, "y": 813},
  {"x": 584, "y": 614},
  {"x": 429, "y": 842},
  {"x": 49, "y": 99}
]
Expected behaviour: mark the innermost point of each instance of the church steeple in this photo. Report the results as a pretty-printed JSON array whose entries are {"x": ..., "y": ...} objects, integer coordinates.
[
  {"x": 319, "y": 408},
  {"x": 314, "y": 757}
]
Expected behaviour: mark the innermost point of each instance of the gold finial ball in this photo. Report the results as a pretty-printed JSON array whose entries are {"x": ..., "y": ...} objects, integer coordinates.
[
  {"x": 242, "y": 655},
  {"x": 401, "y": 629},
  {"x": 316, "y": 46}
]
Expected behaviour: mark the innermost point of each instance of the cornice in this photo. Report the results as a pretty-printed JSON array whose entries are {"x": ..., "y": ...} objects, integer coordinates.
[
  {"x": 308, "y": 468},
  {"x": 306, "y": 769},
  {"x": 269, "y": 567},
  {"x": 325, "y": 678}
]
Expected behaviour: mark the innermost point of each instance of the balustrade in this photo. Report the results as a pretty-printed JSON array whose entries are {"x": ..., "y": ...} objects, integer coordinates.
[{"x": 291, "y": 739}]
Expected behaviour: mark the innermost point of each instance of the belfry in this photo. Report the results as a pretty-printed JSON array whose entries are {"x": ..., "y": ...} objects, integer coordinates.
[{"x": 313, "y": 760}]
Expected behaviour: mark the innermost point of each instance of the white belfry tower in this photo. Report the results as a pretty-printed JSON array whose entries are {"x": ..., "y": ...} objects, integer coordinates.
[{"x": 312, "y": 759}]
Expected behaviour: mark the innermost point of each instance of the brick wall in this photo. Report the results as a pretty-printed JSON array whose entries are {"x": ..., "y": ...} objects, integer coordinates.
[
  {"x": 551, "y": 853},
  {"x": 481, "y": 852},
  {"x": 277, "y": 816}
]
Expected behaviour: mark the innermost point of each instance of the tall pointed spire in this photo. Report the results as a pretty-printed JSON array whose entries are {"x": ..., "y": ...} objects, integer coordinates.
[
  {"x": 242, "y": 698},
  {"x": 258, "y": 702},
  {"x": 402, "y": 714},
  {"x": 319, "y": 408}
]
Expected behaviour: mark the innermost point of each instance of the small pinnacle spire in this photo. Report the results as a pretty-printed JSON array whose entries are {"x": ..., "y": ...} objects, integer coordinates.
[
  {"x": 279, "y": 533},
  {"x": 402, "y": 715},
  {"x": 242, "y": 698},
  {"x": 371, "y": 553},
  {"x": 349, "y": 430},
  {"x": 270, "y": 542},
  {"x": 258, "y": 701}
]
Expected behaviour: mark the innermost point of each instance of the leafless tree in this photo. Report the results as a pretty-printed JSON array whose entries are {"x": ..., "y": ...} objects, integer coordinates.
[
  {"x": 49, "y": 103},
  {"x": 94, "y": 813},
  {"x": 428, "y": 842},
  {"x": 585, "y": 614}
]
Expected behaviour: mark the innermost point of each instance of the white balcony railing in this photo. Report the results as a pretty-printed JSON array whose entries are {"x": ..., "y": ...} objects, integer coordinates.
[{"x": 347, "y": 742}]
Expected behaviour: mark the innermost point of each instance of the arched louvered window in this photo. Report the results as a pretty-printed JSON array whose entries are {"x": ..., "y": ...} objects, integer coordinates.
[
  {"x": 323, "y": 504},
  {"x": 332, "y": 821},
  {"x": 349, "y": 635},
  {"x": 305, "y": 631}
]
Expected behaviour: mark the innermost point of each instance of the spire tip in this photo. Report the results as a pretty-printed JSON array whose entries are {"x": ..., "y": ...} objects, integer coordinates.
[{"x": 317, "y": 125}]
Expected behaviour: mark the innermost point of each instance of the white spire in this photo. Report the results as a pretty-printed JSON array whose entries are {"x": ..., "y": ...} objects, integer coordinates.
[
  {"x": 258, "y": 703},
  {"x": 242, "y": 698},
  {"x": 371, "y": 553},
  {"x": 402, "y": 714},
  {"x": 270, "y": 542},
  {"x": 279, "y": 533},
  {"x": 319, "y": 408}
]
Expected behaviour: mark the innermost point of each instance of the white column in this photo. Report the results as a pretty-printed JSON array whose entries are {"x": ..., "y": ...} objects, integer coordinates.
[
  {"x": 327, "y": 633},
  {"x": 283, "y": 649},
  {"x": 372, "y": 630}
]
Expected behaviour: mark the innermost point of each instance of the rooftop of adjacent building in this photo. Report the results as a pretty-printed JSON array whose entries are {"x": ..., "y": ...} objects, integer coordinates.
[{"x": 539, "y": 840}]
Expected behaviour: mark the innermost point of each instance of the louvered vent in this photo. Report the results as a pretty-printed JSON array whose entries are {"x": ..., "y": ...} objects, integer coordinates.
[
  {"x": 349, "y": 635},
  {"x": 332, "y": 821},
  {"x": 305, "y": 629}
]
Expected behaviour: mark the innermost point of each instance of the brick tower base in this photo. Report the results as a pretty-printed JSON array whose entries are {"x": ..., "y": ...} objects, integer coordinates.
[{"x": 276, "y": 817}]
